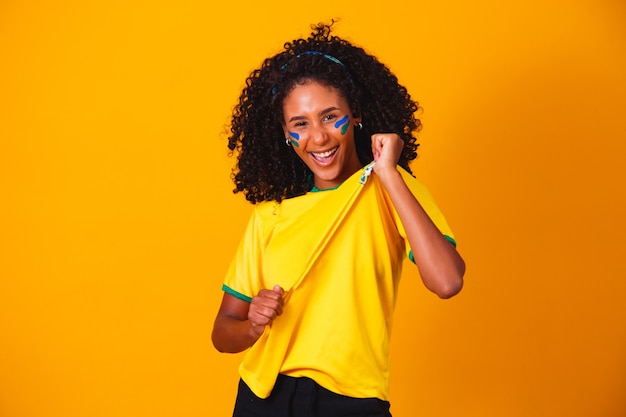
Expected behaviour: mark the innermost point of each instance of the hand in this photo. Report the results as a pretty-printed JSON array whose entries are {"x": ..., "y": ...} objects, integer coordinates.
[
  {"x": 387, "y": 148},
  {"x": 264, "y": 308}
]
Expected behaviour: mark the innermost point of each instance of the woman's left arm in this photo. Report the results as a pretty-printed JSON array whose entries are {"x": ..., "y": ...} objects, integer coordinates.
[{"x": 440, "y": 265}]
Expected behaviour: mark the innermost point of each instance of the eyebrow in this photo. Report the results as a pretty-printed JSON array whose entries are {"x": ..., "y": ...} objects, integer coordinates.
[{"x": 323, "y": 112}]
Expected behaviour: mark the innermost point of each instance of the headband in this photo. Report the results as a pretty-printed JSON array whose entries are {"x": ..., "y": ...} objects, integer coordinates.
[{"x": 326, "y": 56}]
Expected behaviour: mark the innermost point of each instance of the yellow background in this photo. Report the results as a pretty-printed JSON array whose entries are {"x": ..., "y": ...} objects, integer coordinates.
[{"x": 117, "y": 220}]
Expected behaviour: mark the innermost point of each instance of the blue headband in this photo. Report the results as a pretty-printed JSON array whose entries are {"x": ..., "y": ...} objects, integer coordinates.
[{"x": 326, "y": 56}]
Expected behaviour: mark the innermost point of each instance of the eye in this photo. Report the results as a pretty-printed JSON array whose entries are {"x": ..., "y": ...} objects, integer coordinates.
[
  {"x": 299, "y": 124},
  {"x": 329, "y": 117}
]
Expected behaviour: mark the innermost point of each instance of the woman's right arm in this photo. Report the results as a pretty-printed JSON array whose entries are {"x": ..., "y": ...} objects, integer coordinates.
[{"x": 239, "y": 323}]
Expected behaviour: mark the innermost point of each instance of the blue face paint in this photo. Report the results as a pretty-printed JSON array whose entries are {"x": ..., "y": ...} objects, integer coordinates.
[
  {"x": 345, "y": 122},
  {"x": 296, "y": 137}
]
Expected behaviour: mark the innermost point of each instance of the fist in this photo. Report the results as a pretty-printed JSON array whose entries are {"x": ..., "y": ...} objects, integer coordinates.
[
  {"x": 386, "y": 148},
  {"x": 265, "y": 307}
]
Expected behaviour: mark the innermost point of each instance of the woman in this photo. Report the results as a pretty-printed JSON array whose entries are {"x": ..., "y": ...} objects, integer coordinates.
[{"x": 324, "y": 134}]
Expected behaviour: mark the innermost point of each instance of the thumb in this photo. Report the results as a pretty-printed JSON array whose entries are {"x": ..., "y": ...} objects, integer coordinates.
[{"x": 278, "y": 289}]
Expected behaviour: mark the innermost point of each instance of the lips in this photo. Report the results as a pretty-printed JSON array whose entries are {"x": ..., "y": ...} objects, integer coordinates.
[{"x": 324, "y": 156}]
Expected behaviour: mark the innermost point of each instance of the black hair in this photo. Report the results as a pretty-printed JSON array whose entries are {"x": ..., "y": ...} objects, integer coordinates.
[{"x": 269, "y": 170}]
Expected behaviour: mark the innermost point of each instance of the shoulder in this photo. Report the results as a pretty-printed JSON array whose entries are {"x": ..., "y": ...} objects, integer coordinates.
[
  {"x": 418, "y": 188},
  {"x": 265, "y": 208}
]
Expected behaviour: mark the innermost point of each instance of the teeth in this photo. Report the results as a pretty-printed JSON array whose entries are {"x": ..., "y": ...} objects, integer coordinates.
[{"x": 324, "y": 154}]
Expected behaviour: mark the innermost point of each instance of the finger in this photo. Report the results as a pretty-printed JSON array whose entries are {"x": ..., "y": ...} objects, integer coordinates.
[
  {"x": 273, "y": 294},
  {"x": 377, "y": 146},
  {"x": 266, "y": 303},
  {"x": 276, "y": 294},
  {"x": 387, "y": 146},
  {"x": 261, "y": 315},
  {"x": 267, "y": 307},
  {"x": 279, "y": 290}
]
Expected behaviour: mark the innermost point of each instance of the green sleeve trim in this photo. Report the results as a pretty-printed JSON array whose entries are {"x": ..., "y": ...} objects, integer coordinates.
[
  {"x": 448, "y": 238},
  {"x": 236, "y": 294}
]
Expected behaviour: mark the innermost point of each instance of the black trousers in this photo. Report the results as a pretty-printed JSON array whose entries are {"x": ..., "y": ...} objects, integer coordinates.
[{"x": 303, "y": 397}]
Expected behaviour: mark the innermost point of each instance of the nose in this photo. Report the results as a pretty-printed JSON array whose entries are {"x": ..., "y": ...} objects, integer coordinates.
[{"x": 318, "y": 135}]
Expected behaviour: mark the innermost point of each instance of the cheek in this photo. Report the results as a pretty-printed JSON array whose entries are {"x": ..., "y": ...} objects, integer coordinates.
[
  {"x": 294, "y": 138},
  {"x": 302, "y": 155},
  {"x": 343, "y": 124}
]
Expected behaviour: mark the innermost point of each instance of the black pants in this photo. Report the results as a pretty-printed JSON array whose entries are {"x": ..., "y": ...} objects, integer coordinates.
[{"x": 303, "y": 397}]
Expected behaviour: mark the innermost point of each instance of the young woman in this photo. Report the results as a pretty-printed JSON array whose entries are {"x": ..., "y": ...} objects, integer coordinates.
[{"x": 324, "y": 134}]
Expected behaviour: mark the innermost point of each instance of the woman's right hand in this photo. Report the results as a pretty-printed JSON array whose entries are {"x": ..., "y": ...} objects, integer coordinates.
[
  {"x": 264, "y": 308},
  {"x": 239, "y": 323}
]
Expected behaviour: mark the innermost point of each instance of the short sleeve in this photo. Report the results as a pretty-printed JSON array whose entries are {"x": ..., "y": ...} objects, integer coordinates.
[
  {"x": 424, "y": 197},
  {"x": 243, "y": 277}
]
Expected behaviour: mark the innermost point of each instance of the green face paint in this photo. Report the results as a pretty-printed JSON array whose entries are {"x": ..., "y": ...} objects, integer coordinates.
[
  {"x": 295, "y": 137},
  {"x": 344, "y": 123}
]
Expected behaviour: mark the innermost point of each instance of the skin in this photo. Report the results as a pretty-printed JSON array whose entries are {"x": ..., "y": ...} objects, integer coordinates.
[
  {"x": 315, "y": 113},
  {"x": 318, "y": 116}
]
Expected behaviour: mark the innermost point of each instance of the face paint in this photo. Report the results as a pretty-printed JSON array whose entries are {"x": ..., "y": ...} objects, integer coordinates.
[
  {"x": 296, "y": 137},
  {"x": 344, "y": 122}
]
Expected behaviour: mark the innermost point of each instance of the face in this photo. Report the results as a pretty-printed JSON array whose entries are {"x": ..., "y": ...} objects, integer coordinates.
[{"x": 320, "y": 126}]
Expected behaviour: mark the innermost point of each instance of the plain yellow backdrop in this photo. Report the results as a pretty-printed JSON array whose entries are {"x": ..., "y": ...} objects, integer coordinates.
[{"x": 117, "y": 220}]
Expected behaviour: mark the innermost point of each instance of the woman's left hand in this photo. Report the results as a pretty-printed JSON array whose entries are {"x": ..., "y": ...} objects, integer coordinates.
[
  {"x": 387, "y": 148},
  {"x": 439, "y": 264}
]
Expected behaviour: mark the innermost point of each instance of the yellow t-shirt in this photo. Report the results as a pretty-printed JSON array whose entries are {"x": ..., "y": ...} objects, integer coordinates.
[{"x": 338, "y": 254}]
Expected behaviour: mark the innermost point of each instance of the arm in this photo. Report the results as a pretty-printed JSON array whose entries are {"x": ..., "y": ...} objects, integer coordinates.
[
  {"x": 440, "y": 265},
  {"x": 239, "y": 324}
]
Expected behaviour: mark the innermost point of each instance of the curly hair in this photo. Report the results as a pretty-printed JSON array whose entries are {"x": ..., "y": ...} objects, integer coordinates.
[{"x": 268, "y": 170}]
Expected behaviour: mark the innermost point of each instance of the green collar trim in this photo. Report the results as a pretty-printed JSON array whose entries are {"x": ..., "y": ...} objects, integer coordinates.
[{"x": 314, "y": 189}]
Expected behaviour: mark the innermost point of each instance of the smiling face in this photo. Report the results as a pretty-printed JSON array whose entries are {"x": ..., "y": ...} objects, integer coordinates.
[{"x": 320, "y": 126}]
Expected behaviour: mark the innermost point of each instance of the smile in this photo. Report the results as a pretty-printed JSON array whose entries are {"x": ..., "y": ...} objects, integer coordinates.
[{"x": 323, "y": 156}]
